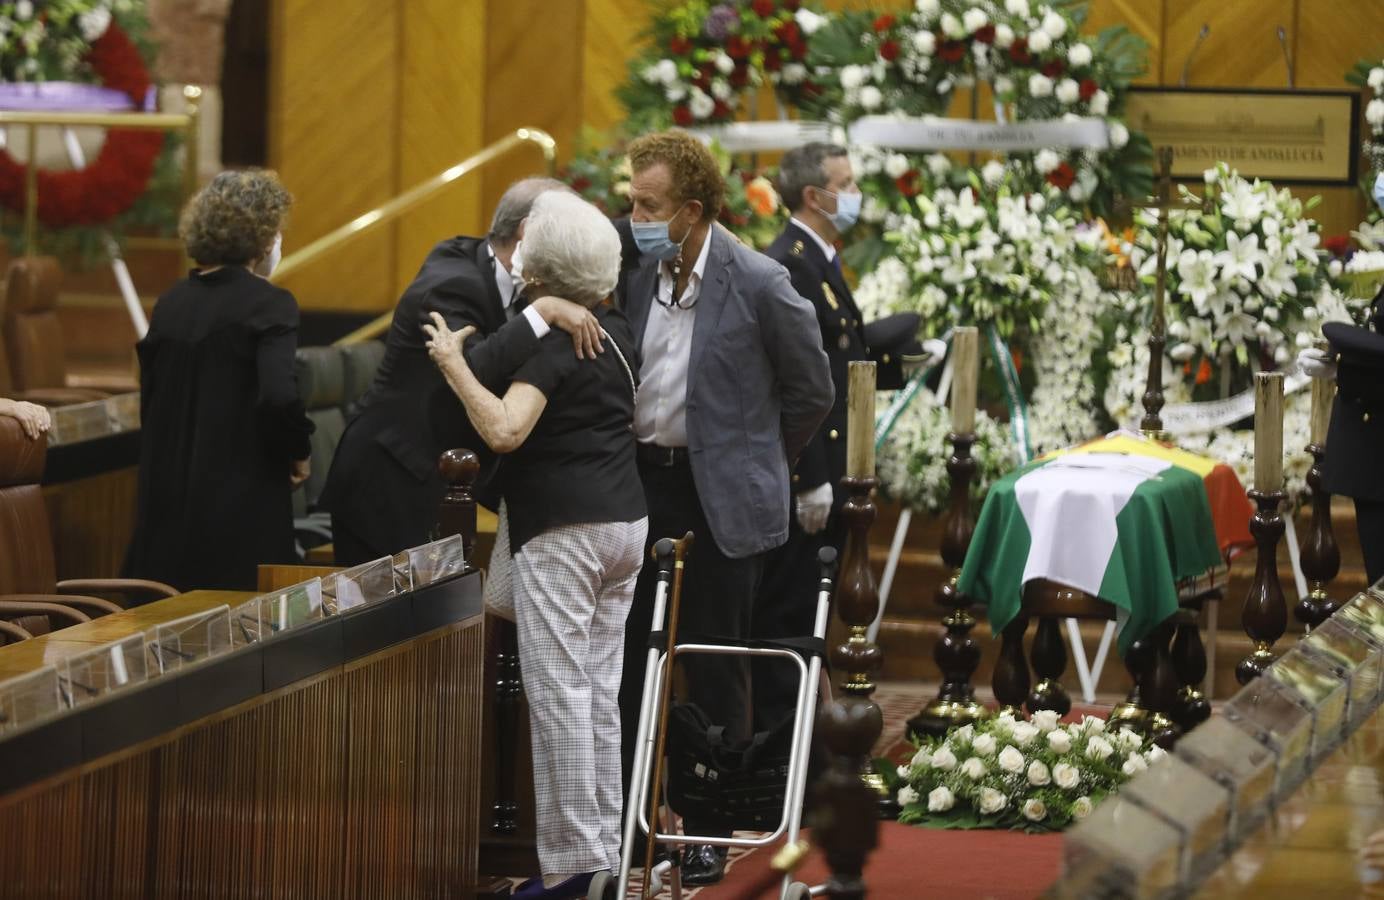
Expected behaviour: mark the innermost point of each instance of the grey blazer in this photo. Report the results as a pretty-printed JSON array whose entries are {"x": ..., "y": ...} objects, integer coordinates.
[{"x": 758, "y": 385}]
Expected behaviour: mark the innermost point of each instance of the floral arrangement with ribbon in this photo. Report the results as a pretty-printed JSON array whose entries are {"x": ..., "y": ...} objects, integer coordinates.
[
  {"x": 1039, "y": 65},
  {"x": 705, "y": 59},
  {"x": 1037, "y": 775},
  {"x": 1369, "y": 74}
]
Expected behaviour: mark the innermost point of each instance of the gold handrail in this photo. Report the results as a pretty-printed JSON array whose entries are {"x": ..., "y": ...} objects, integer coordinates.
[
  {"x": 401, "y": 204},
  {"x": 185, "y": 122}
]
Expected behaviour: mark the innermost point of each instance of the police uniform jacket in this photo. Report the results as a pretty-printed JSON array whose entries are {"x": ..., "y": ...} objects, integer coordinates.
[{"x": 1355, "y": 439}]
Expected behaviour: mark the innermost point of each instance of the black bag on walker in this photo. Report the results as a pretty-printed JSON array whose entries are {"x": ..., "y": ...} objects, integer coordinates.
[{"x": 720, "y": 783}]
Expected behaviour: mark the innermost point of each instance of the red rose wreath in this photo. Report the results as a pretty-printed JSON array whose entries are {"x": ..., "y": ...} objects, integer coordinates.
[{"x": 119, "y": 174}]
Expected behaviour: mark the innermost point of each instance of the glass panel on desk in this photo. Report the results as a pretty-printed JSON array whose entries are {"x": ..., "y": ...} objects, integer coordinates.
[
  {"x": 436, "y": 561},
  {"x": 29, "y": 698},
  {"x": 1192, "y": 803},
  {"x": 1120, "y": 850},
  {"x": 88, "y": 675},
  {"x": 1366, "y": 612},
  {"x": 1323, "y": 686},
  {"x": 1356, "y": 652},
  {"x": 184, "y": 641},
  {"x": 1277, "y": 716},
  {"x": 1238, "y": 763},
  {"x": 403, "y": 576},
  {"x": 358, "y": 586},
  {"x": 79, "y": 422},
  {"x": 123, "y": 410},
  {"x": 268, "y": 614}
]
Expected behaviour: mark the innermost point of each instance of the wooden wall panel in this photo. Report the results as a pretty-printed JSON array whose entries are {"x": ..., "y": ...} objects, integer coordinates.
[
  {"x": 612, "y": 34},
  {"x": 1241, "y": 50},
  {"x": 333, "y": 135},
  {"x": 441, "y": 121},
  {"x": 1139, "y": 16}
]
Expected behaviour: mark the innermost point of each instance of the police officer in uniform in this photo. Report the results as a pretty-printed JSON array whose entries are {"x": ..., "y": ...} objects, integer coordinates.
[{"x": 819, "y": 189}]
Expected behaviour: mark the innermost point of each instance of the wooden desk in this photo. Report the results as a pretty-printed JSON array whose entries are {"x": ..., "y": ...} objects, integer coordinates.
[{"x": 359, "y": 777}]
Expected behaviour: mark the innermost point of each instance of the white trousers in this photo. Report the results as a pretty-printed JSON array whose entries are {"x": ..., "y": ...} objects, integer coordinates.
[{"x": 572, "y": 591}]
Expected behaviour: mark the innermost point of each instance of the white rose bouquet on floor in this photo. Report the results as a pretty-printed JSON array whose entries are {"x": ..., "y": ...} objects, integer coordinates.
[{"x": 1036, "y": 775}]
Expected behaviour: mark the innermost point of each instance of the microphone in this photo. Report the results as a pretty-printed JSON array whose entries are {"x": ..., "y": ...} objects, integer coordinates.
[
  {"x": 1287, "y": 60},
  {"x": 1187, "y": 63}
]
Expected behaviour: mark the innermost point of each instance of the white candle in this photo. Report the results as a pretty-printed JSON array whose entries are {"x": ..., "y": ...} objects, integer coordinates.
[{"x": 860, "y": 420}]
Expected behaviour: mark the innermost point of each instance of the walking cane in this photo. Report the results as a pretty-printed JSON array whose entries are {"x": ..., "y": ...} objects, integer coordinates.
[{"x": 680, "y": 550}]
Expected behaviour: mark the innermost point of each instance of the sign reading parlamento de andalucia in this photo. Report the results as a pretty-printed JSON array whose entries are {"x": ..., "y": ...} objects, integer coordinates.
[{"x": 1286, "y": 136}]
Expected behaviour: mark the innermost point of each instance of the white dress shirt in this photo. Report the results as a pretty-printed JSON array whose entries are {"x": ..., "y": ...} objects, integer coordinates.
[
  {"x": 826, "y": 246},
  {"x": 660, "y": 412},
  {"x": 508, "y": 295}
]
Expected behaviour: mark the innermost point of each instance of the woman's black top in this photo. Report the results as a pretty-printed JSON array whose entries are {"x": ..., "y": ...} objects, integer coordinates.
[
  {"x": 577, "y": 465},
  {"x": 221, "y": 423}
]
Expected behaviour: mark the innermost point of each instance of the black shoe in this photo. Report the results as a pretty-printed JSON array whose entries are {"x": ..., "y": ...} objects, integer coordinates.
[{"x": 703, "y": 864}]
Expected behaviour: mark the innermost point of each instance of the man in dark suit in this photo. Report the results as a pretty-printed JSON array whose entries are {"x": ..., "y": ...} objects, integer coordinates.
[
  {"x": 383, "y": 488},
  {"x": 1351, "y": 467},
  {"x": 733, "y": 383},
  {"x": 819, "y": 189}
]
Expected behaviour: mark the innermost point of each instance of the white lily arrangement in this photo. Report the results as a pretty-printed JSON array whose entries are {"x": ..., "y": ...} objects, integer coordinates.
[{"x": 1004, "y": 772}]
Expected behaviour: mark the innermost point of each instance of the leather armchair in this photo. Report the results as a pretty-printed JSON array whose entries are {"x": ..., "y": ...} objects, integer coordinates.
[{"x": 29, "y": 589}]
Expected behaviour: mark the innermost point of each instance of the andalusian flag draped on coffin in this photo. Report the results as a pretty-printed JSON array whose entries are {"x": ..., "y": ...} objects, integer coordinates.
[{"x": 1123, "y": 518}]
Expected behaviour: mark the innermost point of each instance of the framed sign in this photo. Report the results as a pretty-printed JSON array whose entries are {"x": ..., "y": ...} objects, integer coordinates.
[{"x": 1287, "y": 136}]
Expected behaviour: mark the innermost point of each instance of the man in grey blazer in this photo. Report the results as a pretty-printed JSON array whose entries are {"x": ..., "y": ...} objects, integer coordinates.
[{"x": 733, "y": 384}]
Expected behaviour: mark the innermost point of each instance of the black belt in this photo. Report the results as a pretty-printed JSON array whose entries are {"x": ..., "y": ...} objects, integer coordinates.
[{"x": 663, "y": 457}]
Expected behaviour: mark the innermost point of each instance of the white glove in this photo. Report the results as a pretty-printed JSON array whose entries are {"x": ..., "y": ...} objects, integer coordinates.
[
  {"x": 933, "y": 352},
  {"x": 814, "y": 506},
  {"x": 1316, "y": 363}
]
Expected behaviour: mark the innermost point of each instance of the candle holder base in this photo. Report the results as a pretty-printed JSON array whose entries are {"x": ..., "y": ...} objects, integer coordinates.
[
  {"x": 941, "y": 715},
  {"x": 1130, "y": 715},
  {"x": 1252, "y": 666}
]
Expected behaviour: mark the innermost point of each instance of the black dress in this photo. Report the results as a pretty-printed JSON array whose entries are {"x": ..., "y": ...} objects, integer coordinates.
[{"x": 222, "y": 421}]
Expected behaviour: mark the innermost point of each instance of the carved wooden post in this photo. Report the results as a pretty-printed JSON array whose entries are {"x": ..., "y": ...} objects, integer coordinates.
[
  {"x": 1321, "y": 557},
  {"x": 457, "y": 513},
  {"x": 957, "y": 653},
  {"x": 1160, "y": 687},
  {"x": 1189, "y": 662},
  {"x": 1266, "y": 615},
  {"x": 1133, "y": 711},
  {"x": 1152, "y": 423},
  {"x": 1049, "y": 662},
  {"x": 857, "y": 595}
]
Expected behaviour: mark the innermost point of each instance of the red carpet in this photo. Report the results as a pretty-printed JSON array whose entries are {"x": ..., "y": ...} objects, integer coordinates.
[{"x": 924, "y": 863}]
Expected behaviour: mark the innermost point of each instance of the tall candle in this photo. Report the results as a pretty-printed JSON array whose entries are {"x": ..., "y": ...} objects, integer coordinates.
[
  {"x": 860, "y": 420},
  {"x": 1323, "y": 392},
  {"x": 965, "y": 373},
  {"x": 1268, "y": 432}
]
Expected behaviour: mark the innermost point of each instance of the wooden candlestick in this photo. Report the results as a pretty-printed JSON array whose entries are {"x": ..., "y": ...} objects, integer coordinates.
[
  {"x": 957, "y": 654},
  {"x": 457, "y": 512},
  {"x": 965, "y": 351},
  {"x": 860, "y": 420},
  {"x": 1321, "y": 557},
  {"x": 1265, "y": 615},
  {"x": 1152, "y": 423}
]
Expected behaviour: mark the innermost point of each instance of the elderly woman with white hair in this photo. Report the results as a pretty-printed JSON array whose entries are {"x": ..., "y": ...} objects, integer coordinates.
[{"x": 577, "y": 524}]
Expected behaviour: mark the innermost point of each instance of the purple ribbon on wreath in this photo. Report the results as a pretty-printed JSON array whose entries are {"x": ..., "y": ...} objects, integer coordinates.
[{"x": 69, "y": 96}]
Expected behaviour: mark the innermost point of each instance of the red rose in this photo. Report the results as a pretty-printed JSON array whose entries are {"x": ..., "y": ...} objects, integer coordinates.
[
  {"x": 580, "y": 183},
  {"x": 1061, "y": 177},
  {"x": 889, "y": 50},
  {"x": 1053, "y": 68},
  {"x": 763, "y": 8},
  {"x": 798, "y": 49},
  {"x": 884, "y": 22},
  {"x": 1088, "y": 88},
  {"x": 810, "y": 88},
  {"x": 985, "y": 34},
  {"x": 722, "y": 110},
  {"x": 907, "y": 183},
  {"x": 737, "y": 47},
  {"x": 703, "y": 81},
  {"x": 1338, "y": 245},
  {"x": 682, "y": 115},
  {"x": 952, "y": 51},
  {"x": 739, "y": 76},
  {"x": 792, "y": 5},
  {"x": 746, "y": 176},
  {"x": 788, "y": 32},
  {"x": 679, "y": 46},
  {"x": 1018, "y": 51},
  {"x": 772, "y": 61}
]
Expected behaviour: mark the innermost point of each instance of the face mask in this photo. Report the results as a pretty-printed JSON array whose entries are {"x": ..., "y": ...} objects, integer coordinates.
[
  {"x": 516, "y": 267},
  {"x": 653, "y": 240},
  {"x": 267, "y": 265},
  {"x": 847, "y": 210},
  {"x": 1379, "y": 191}
]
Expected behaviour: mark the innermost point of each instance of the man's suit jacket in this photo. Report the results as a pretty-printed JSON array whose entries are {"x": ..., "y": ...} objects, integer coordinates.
[
  {"x": 758, "y": 385},
  {"x": 383, "y": 485},
  {"x": 1356, "y": 436},
  {"x": 842, "y": 333}
]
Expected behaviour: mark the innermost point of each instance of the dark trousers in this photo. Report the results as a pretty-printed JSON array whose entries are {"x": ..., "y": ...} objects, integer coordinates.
[
  {"x": 717, "y": 596},
  {"x": 1369, "y": 519},
  {"x": 787, "y": 607}
]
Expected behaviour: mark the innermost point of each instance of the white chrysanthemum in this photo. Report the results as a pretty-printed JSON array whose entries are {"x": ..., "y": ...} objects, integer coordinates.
[
  {"x": 1374, "y": 112},
  {"x": 1079, "y": 55},
  {"x": 1046, "y": 160},
  {"x": 1039, "y": 42},
  {"x": 852, "y": 77},
  {"x": 1119, "y": 135},
  {"x": 974, "y": 19},
  {"x": 808, "y": 20},
  {"x": 871, "y": 97},
  {"x": 701, "y": 105},
  {"x": 1100, "y": 104},
  {"x": 1068, "y": 91},
  {"x": 1376, "y": 78},
  {"x": 1039, "y": 85},
  {"x": 925, "y": 42},
  {"x": 1017, "y": 8},
  {"x": 1054, "y": 25}
]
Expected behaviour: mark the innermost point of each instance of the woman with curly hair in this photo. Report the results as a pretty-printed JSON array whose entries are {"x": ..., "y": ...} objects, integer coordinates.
[{"x": 225, "y": 437}]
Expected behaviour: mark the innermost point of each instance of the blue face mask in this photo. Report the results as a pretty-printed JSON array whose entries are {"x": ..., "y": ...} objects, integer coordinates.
[
  {"x": 653, "y": 240},
  {"x": 1379, "y": 191},
  {"x": 847, "y": 210}
]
